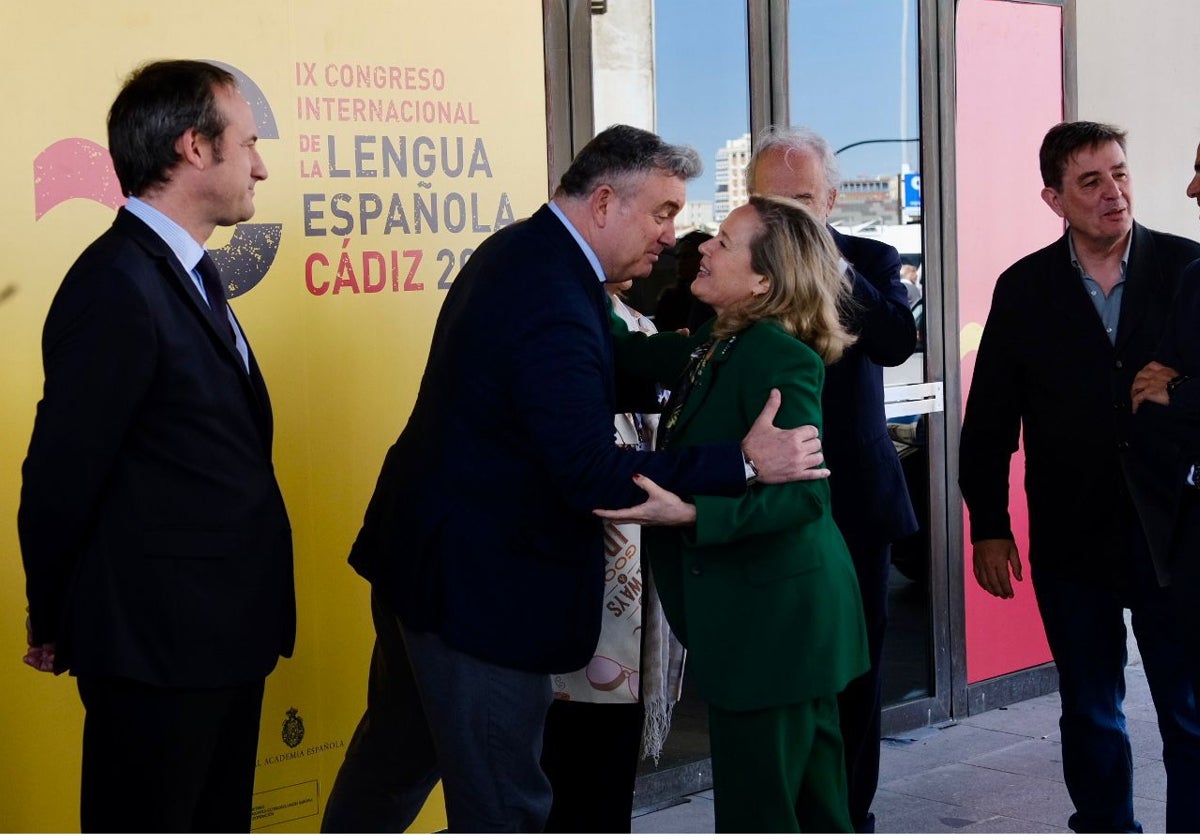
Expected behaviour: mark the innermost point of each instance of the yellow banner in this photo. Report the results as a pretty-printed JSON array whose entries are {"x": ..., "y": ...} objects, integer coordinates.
[{"x": 398, "y": 135}]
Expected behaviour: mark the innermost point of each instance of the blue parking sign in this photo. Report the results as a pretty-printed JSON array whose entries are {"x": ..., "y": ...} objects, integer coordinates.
[{"x": 912, "y": 190}]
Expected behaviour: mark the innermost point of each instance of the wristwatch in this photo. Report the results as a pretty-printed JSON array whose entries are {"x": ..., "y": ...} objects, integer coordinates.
[
  {"x": 1175, "y": 382},
  {"x": 751, "y": 470}
]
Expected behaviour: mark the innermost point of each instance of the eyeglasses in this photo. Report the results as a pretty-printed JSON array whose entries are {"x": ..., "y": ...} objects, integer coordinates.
[{"x": 606, "y": 674}]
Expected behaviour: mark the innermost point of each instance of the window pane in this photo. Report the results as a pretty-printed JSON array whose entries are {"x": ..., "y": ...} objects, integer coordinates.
[
  {"x": 680, "y": 68},
  {"x": 853, "y": 75},
  {"x": 702, "y": 92}
]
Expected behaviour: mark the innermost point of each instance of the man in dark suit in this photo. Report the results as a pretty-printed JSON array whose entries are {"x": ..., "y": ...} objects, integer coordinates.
[
  {"x": 485, "y": 558},
  {"x": 870, "y": 499},
  {"x": 1167, "y": 392},
  {"x": 1069, "y": 327},
  {"x": 156, "y": 545}
]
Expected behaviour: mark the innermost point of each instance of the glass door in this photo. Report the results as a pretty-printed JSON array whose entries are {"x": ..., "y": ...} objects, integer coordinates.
[
  {"x": 854, "y": 78},
  {"x": 865, "y": 75},
  {"x": 679, "y": 68}
]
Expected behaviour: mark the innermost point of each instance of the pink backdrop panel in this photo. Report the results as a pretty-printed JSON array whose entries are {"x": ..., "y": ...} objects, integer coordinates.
[{"x": 1009, "y": 81}]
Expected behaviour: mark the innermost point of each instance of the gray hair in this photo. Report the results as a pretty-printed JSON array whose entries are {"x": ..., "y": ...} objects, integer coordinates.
[
  {"x": 622, "y": 152},
  {"x": 798, "y": 139}
]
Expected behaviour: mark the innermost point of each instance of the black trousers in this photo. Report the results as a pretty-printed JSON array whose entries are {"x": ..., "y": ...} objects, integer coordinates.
[
  {"x": 1185, "y": 595},
  {"x": 590, "y": 754},
  {"x": 167, "y": 760},
  {"x": 860, "y": 703},
  {"x": 1185, "y": 585}
]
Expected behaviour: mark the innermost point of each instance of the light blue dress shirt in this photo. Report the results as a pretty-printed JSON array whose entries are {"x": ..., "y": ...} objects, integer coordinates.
[
  {"x": 1107, "y": 306},
  {"x": 587, "y": 249},
  {"x": 188, "y": 251}
]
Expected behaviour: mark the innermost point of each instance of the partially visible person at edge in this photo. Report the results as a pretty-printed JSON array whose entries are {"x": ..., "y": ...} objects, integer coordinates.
[
  {"x": 1069, "y": 327},
  {"x": 760, "y": 587},
  {"x": 485, "y": 560},
  {"x": 1167, "y": 392},
  {"x": 871, "y": 504},
  {"x": 617, "y": 709},
  {"x": 157, "y": 549}
]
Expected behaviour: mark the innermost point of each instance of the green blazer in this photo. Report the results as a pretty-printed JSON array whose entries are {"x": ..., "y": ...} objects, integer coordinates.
[{"x": 762, "y": 591}]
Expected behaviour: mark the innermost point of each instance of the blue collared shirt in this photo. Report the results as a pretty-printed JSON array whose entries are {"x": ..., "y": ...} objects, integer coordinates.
[
  {"x": 1108, "y": 307},
  {"x": 188, "y": 251},
  {"x": 587, "y": 249}
]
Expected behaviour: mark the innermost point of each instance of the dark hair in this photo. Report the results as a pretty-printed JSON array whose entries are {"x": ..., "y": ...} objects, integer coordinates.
[
  {"x": 1064, "y": 141},
  {"x": 159, "y": 102},
  {"x": 621, "y": 151},
  {"x": 687, "y": 247}
]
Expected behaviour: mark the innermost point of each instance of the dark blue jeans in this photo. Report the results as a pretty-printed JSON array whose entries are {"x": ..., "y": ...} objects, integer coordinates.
[{"x": 1086, "y": 630}]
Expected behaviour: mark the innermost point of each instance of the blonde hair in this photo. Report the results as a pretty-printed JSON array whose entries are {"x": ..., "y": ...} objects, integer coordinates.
[{"x": 806, "y": 287}]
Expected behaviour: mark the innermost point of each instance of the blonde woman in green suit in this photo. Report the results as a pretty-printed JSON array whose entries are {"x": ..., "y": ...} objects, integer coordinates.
[{"x": 760, "y": 588}]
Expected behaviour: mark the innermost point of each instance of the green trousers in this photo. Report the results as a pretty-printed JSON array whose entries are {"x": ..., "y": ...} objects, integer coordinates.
[{"x": 779, "y": 770}]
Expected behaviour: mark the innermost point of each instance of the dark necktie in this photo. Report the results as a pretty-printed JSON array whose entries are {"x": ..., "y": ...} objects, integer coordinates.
[{"x": 215, "y": 290}]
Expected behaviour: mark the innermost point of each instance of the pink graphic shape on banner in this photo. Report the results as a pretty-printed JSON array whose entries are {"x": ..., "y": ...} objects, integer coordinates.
[{"x": 74, "y": 167}]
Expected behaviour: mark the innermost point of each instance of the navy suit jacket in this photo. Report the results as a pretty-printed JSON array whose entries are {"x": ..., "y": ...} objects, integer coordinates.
[
  {"x": 154, "y": 536},
  {"x": 1047, "y": 371},
  {"x": 480, "y": 528},
  {"x": 870, "y": 496}
]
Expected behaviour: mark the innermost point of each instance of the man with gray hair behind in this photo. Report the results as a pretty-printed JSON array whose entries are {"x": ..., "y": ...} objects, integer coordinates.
[
  {"x": 870, "y": 499},
  {"x": 485, "y": 558}
]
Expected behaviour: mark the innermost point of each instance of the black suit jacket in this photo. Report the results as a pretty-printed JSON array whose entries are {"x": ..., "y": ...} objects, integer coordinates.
[
  {"x": 480, "y": 527},
  {"x": 1170, "y": 436},
  {"x": 1045, "y": 368},
  {"x": 154, "y": 535},
  {"x": 870, "y": 496}
]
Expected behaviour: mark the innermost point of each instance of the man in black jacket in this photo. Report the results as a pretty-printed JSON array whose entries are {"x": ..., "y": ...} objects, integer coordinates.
[
  {"x": 1069, "y": 327},
  {"x": 1166, "y": 398},
  {"x": 157, "y": 550}
]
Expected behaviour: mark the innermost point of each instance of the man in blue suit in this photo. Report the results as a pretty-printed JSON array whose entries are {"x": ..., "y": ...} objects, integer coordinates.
[
  {"x": 871, "y": 505},
  {"x": 485, "y": 560}
]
